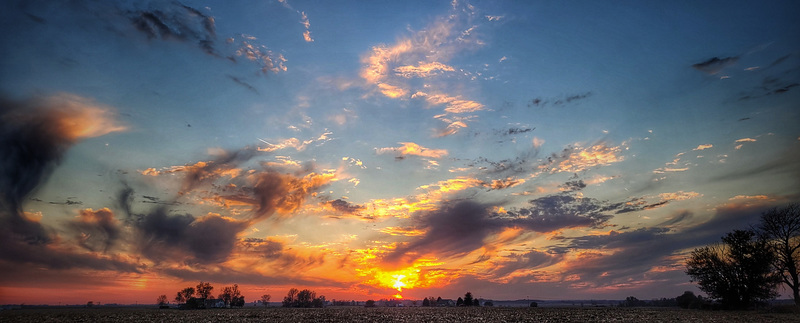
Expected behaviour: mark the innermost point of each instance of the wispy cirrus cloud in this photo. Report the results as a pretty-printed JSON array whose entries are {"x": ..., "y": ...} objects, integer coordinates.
[{"x": 392, "y": 69}]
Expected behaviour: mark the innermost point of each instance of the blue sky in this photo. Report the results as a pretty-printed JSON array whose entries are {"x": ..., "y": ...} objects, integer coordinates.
[{"x": 512, "y": 149}]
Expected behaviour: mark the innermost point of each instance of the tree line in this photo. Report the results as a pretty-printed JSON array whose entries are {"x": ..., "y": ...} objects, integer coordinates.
[
  {"x": 747, "y": 267},
  {"x": 200, "y": 297}
]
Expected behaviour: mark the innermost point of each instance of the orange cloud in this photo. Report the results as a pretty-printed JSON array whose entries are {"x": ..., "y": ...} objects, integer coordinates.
[
  {"x": 703, "y": 147},
  {"x": 412, "y": 149}
]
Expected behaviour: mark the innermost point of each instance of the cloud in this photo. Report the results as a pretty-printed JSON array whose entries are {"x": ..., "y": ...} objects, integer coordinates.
[
  {"x": 498, "y": 184},
  {"x": 422, "y": 70},
  {"x": 175, "y": 21},
  {"x": 251, "y": 196},
  {"x": 36, "y": 133},
  {"x": 531, "y": 260},
  {"x": 295, "y": 143},
  {"x": 703, "y": 147},
  {"x": 715, "y": 64},
  {"x": 96, "y": 230},
  {"x": 458, "y": 227},
  {"x": 178, "y": 238},
  {"x": 561, "y": 211},
  {"x": 345, "y": 207},
  {"x": 576, "y": 158},
  {"x": 558, "y": 101},
  {"x": 412, "y": 149},
  {"x": 393, "y": 69},
  {"x": 453, "y": 229}
]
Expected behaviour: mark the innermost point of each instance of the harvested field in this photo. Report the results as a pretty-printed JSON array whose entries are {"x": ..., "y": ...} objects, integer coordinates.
[{"x": 416, "y": 314}]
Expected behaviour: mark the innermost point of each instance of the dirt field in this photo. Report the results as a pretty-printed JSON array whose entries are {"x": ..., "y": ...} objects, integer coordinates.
[{"x": 360, "y": 314}]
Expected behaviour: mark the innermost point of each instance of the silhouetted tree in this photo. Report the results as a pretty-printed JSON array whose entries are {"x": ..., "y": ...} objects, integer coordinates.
[
  {"x": 534, "y": 304},
  {"x": 231, "y": 296},
  {"x": 305, "y": 297},
  {"x": 426, "y": 302},
  {"x": 265, "y": 299},
  {"x": 318, "y": 302},
  {"x": 204, "y": 289},
  {"x": 460, "y": 302},
  {"x": 738, "y": 273},
  {"x": 468, "y": 299},
  {"x": 184, "y": 295},
  {"x": 369, "y": 303},
  {"x": 162, "y": 300},
  {"x": 291, "y": 298},
  {"x": 476, "y": 302},
  {"x": 631, "y": 301},
  {"x": 488, "y": 303},
  {"x": 688, "y": 300},
  {"x": 781, "y": 228}
]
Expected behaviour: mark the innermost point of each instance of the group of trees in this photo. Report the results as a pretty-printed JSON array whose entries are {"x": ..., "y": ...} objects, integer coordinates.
[
  {"x": 746, "y": 269},
  {"x": 230, "y": 296},
  {"x": 468, "y": 300},
  {"x": 687, "y": 300},
  {"x": 303, "y": 298}
]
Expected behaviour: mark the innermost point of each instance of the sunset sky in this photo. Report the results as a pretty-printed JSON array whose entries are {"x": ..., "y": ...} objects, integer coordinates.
[{"x": 366, "y": 149}]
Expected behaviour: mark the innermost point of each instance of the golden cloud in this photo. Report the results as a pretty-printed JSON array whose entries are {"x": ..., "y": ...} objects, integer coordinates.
[{"x": 413, "y": 149}]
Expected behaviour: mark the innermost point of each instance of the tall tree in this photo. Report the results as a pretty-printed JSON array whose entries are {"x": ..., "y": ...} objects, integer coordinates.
[
  {"x": 738, "y": 273},
  {"x": 204, "y": 289},
  {"x": 468, "y": 299},
  {"x": 781, "y": 228}
]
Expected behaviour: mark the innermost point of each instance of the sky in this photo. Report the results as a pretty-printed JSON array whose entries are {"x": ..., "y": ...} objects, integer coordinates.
[{"x": 379, "y": 149}]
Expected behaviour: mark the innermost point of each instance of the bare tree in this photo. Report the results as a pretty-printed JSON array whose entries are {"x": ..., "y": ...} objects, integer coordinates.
[
  {"x": 184, "y": 295},
  {"x": 204, "y": 289},
  {"x": 161, "y": 300},
  {"x": 232, "y": 296},
  {"x": 781, "y": 227},
  {"x": 265, "y": 299}
]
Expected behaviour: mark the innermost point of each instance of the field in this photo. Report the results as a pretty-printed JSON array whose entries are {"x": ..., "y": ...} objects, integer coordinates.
[{"x": 416, "y": 314}]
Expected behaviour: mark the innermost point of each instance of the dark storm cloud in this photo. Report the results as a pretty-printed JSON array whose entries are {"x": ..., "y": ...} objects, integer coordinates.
[
  {"x": 164, "y": 237},
  {"x": 34, "y": 137},
  {"x": 32, "y": 143},
  {"x": 96, "y": 230},
  {"x": 460, "y": 227},
  {"x": 454, "y": 229},
  {"x": 715, "y": 65}
]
